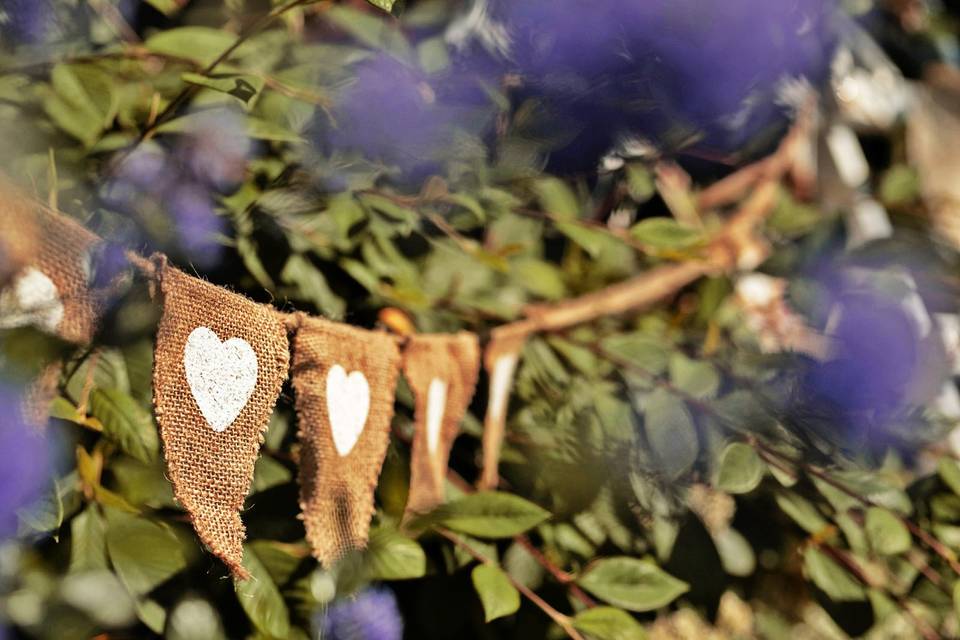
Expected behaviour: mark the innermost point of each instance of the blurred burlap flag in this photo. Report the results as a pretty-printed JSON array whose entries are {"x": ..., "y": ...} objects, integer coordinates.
[
  {"x": 18, "y": 231},
  {"x": 344, "y": 379},
  {"x": 46, "y": 258},
  {"x": 220, "y": 363},
  {"x": 442, "y": 371}
]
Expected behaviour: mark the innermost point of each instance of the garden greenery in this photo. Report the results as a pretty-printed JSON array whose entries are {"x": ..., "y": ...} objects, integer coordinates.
[{"x": 660, "y": 468}]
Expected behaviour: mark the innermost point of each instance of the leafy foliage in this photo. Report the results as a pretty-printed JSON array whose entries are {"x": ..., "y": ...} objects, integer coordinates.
[{"x": 657, "y": 465}]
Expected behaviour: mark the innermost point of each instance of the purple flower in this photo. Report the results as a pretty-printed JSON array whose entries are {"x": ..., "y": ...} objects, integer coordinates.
[
  {"x": 25, "y": 21},
  {"x": 402, "y": 117},
  {"x": 369, "y": 615},
  {"x": 216, "y": 148},
  {"x": 24, "y": 472},
  {"x": 663, "y": 69},
  {"x": 196, "y": 223}
]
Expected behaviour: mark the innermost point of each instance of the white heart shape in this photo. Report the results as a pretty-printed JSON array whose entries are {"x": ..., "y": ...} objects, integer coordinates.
[
  {"x": 436, "y": 407},
  {"x": 221, "y": 375},
  {"x": 500, "y": 384},
  {"x": 32, "y": 299},
  {"x": 348, "y": 403}
]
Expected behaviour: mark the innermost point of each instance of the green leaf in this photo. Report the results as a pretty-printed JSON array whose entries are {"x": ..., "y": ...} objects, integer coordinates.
[
  {"x": 949, "y": 472},
  {"x": 45, "y": 516},
  {"x": 167, "y": 7},
  {"x": 88, "y": 542},
  {"x": 632, "y": 584},
  {"x": 666, "y": 233},
  {"x": 608, "y": 623},
  {"x": 886, "y": 532},
  {"x": 741, "y": 469},
  {"x": 144, "y": 553},
  {"x": 203, "y": 45},
  {"x": 671, "y": 432},
  {"x": 643, "y": 351},
  {"x": 736, "y": 554},
  {"x": 640, "y": 182},
  {"x": 245, "y": 88},
  {"x": 151, "y": 614},
  {"x": 488, "y": 515},
  {"x": 801, "y": 511},
  {"x": 269, "y": 473},
  {"x": 260, "y": 598},
  {"x": 694, "y": 377},
  {"x": 539, "y": 277},
  {"x": 956, "y": 598},
  {"x": 312, "y": 286},
  {"x": 392, "y": 556},
  {"x": 830, "y": 577},
  {"x": 84, "y": 103},
  {"x": 499, "y": 597},
  {"x": 557, "y": 198},
  {"x": 194, "y": 619},
  {"x": 126, "y": 423},
  {"x": 900, "y": 185},
  {"x": 386, "y": 5}
]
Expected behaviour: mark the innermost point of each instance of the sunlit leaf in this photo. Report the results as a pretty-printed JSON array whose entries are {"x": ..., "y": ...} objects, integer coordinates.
[{"x": 499, "y": 597}]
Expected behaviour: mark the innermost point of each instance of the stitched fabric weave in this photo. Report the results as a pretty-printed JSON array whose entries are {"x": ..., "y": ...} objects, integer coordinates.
[
  {"x": 445, "y": 367},
  {"x": 337, "y": 480},
  {"x": 212, "y": 470}
]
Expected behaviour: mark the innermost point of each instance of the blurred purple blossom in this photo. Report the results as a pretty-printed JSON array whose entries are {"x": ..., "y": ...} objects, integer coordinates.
[
  {"x": 216, "y": 148},
  {"x": 372, "y": 614},
  {"x": 196, "y": 222},
  {"x": 711, "y": 74},
  {"x": 210, "y": 157},
  {"x": 24, "y": 473},
  {"x": 25, "y": 21},
  {"x": 651, "y": 68}
]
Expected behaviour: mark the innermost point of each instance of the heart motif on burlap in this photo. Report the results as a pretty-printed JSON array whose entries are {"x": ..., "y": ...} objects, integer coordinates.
[
  {"x": 348, "y": 404},
  {"x": 31, "y": 300},
  {"x": 221, "y": 375},
  {"x": 436, "y": 407}
]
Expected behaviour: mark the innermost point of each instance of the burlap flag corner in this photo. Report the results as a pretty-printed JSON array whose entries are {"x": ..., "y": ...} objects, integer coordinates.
[
  {"x": 344, "y": 379},
  {"x": 52, "y": 255},
  {"x": 219, "y": 367},
  {"x": 442, "y": 371}
]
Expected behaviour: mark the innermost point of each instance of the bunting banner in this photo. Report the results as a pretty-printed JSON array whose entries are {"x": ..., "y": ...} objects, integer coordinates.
[
  {"x": 219, "y": 367},
  {"x": 344, "y": 379},
  {"x": 442, "y": 371},
  {"x": 221, "y": 361}
]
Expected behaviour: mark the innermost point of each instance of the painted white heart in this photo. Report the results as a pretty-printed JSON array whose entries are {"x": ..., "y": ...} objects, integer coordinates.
[
  {"x": 348, "y": 403},
  {"x": 221, "y": 375},
  {"x": 436, "y": 407},
  {"x": 502, "y": 378},
  {"x": 31, "y": 299}
]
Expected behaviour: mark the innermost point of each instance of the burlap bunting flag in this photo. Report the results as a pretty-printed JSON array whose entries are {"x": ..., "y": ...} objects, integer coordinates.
[
  {"x": 500, "y": 360},
  {"x": 442, "y": 371},
  {"x": 51, "y": 291},
  {"x": 219, "y": 366},
  {"x": 344, "y": 379},
  {"x": 18, "y": 231}
]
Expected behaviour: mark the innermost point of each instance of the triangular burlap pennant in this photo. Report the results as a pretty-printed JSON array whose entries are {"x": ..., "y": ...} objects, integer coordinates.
[
  {"x": 500, "y": 360},
  {"x": 19, "y": 240},
  {"x": 344, "y": 379},
  {"x": 442, "y": 371},
  {"x": 219, "y": 366},
  {"x": 52, "y": 290}
]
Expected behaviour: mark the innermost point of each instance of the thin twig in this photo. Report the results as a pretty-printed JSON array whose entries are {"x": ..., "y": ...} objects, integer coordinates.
[{"x": 563, "y": 621}]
